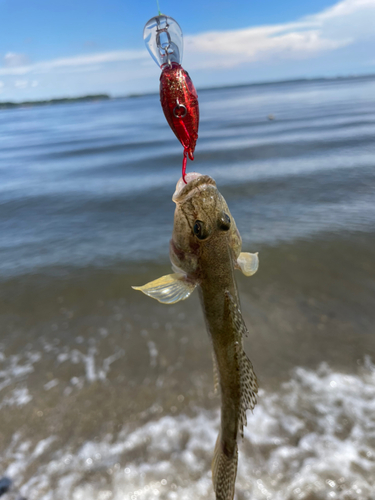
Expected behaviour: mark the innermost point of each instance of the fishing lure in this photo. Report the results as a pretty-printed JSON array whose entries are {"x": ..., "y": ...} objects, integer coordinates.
[{"x": 178, "y": 97}]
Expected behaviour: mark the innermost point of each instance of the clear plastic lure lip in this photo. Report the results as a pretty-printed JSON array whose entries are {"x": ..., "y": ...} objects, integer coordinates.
[{"x": 164, "y": 40}]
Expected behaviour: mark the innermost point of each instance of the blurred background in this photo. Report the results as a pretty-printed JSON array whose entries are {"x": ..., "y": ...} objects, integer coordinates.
[{"x": 106, "y": 394}]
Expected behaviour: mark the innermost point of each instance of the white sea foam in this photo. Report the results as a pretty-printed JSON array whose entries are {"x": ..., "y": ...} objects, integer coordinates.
[
  {"x": 313, "y": 439},
  {"x": 14, "y": 369},
  {"x": 18, "y": 397},
  {"x": 93, "y": 371}
]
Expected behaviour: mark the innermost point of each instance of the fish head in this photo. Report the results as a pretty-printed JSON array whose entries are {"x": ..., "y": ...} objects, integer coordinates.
[{"x": 202, "y": 218}]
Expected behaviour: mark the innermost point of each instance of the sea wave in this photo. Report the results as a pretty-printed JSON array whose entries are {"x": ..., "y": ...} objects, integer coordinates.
[{"x": 314, "y": 438}]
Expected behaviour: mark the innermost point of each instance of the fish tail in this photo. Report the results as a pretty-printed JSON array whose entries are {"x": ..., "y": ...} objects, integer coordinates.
[{"x": 224, "y": 471}]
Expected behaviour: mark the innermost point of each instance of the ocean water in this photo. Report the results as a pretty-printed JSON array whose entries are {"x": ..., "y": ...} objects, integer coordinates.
[{"x": 106, "y": 395}]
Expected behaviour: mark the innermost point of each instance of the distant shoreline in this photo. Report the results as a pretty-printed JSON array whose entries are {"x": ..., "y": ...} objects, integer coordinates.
[
  {"x": 264, "y": 84},
  {"x": 63, "y": 100},
  {"x": 103, "y": 97},
  {"x": 294, "y": 80}
]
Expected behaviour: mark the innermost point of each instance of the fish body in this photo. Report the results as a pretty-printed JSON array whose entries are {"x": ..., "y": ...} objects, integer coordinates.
[{"x": 205, "y": 250}]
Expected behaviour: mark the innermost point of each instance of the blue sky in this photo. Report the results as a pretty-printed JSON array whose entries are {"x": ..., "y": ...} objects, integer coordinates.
[{"x": 66, "y": 48}]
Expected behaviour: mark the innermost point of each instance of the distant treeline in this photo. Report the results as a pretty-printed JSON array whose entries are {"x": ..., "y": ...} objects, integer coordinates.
[{"x": 64, "y": 100}]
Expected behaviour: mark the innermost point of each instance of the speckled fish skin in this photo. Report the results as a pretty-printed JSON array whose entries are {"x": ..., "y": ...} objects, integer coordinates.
[
  {"x": 205, "y": 250},
  {"x": 210, "y": 262}
]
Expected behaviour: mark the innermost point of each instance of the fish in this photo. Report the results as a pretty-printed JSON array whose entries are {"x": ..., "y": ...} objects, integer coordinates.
[{"x": 205, "y": 251}]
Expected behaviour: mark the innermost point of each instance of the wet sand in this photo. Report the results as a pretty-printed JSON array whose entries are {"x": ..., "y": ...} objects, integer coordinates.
[{"x": 308, "y": 303}]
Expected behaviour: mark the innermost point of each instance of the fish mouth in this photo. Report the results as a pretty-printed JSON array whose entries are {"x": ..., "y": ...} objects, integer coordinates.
[{"x": 193, "y": 180}]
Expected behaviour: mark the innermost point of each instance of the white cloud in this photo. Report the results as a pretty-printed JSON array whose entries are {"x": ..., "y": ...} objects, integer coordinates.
[
  {"x": 21, "y": 84},
  {"x": 254, "y": 44},
  {"x": 12, "y": 60},
  {"x": 338, "y": 26},
  {"x": 74, "y": 62},
  {"x": 343, "y": 9},
  {"x": 103, "y": 57}
]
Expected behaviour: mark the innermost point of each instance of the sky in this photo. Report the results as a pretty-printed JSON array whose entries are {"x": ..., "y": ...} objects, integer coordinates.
[{"x": 60, "y": 48}]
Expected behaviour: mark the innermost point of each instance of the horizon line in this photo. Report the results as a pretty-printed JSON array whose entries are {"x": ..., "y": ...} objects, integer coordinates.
[{"x": 133, "y": 95}]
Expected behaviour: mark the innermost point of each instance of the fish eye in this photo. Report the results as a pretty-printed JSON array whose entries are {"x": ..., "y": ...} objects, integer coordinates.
[
  {"x": 199, "y": 230},
  {"x": 224, "y": 222}
]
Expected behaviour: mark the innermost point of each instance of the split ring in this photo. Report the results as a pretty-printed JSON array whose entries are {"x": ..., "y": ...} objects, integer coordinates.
[{"x": 178, "y": 107}]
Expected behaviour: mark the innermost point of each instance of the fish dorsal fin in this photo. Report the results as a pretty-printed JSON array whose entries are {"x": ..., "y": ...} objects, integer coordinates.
[
  {"x": 168, "y": 289},
  {"x": 248, "y": 386},
  {"x": 236, "y": 315},
  {"x": 248, "y": 379},
  {"x": 216, "y": 374},
  {"x": 248, "y": 263}
]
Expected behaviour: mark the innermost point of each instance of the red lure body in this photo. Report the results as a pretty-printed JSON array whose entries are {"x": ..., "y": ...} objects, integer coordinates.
[{"x": 179, "y": 101}]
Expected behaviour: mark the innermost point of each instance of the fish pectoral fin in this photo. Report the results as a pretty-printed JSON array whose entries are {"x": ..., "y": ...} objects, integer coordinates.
[
  {"x": 248, "y": 263},
  {"x": 168, "y": 289}
]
